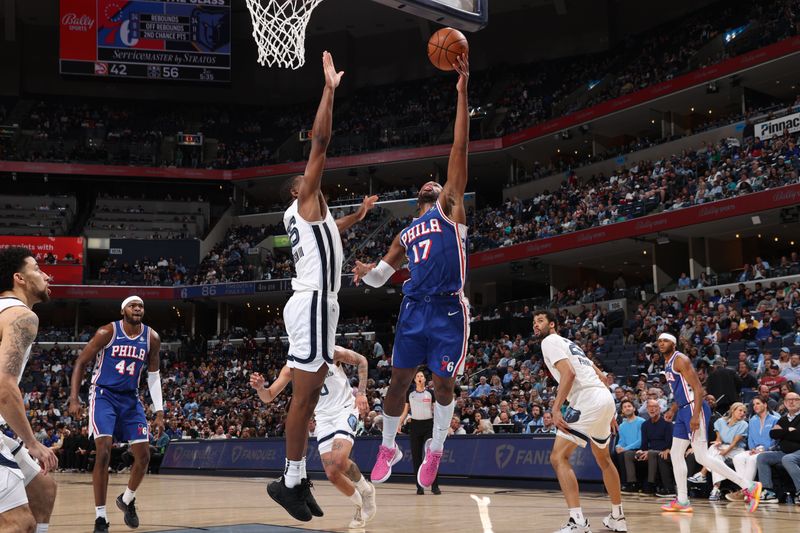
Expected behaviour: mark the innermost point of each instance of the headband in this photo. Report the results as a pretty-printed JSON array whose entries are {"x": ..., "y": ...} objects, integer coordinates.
[
  {"x": 668, "y": 337},
  {"x": 131, "y": 299}
]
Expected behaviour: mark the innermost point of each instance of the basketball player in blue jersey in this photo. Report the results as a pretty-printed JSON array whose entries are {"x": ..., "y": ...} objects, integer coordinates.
[
  {"x": 122, "y": 350},
  {"x": 691, "y": 418},
  {"x": 433, "y": 324}
]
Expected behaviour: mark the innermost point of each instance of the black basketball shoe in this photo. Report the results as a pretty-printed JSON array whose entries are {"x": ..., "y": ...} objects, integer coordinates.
[
  {"x": 101, "y": 525},
  {"x": 293, "y": 500},
  {"x": 313, "y": 506},
  {"x": 129, "y": 510}
]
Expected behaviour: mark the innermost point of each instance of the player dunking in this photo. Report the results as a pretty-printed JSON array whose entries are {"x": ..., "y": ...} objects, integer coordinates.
[
  {"x": 27, "y": 495},
  {"x": 691, "y": 429},
  {"x": 122, "y": 349},
  {"x": 433, "y": 325},
  {"x": 312, "y": 313},
  {"x": 336, "y": 414},
  {"x": 588, "y": 419}
]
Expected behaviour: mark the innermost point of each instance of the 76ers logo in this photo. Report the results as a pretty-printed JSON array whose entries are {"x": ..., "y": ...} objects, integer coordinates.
[
  {"x": 142, "y": 430},
  {"x": 447, "y": 365}
]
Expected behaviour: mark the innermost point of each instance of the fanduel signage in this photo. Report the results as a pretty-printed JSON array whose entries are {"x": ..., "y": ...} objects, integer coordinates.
[
  {"x": 771, "y": 128},
  {"x": 508, "y": 456}
]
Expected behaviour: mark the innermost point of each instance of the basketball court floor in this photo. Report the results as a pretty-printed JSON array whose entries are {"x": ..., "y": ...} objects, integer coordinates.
[{"x": 241, "y": 505}]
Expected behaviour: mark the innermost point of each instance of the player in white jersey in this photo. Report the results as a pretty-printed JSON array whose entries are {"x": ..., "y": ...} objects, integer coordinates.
[
  {"x": 312, "y": 313},
  {"x": 336, "y": 415},
  {"x": 590, "y": 418},
  {"x": 22, "y": 285}
]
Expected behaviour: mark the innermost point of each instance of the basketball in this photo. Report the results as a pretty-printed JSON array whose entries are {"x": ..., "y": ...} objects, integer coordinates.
[{"x": 445, "y": 46}]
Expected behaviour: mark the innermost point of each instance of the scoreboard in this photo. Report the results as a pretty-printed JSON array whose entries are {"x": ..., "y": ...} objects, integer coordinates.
[{"x": 148, "y": 39}]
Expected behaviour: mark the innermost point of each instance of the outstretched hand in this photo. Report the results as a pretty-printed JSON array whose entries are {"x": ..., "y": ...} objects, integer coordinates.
[
  {"x": 332, "y": 78},
  {"x": 361, "y": 270},
  {"x": 366, "y": 205},
  {"x": 257, "y": 381},
  {"x": 462, "y": 67}
]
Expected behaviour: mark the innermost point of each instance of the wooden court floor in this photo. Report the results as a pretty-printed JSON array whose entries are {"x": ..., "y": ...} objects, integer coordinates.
[{"x": 197, "y": 503}]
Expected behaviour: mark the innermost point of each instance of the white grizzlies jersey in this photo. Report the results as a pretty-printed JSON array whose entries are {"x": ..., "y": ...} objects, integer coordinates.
[
  {"x": 317, "y": 251},
  {"x": 5, "y": 303},
  {"x": 337, "y": 395},
  {"x": 555, "y": 348}
]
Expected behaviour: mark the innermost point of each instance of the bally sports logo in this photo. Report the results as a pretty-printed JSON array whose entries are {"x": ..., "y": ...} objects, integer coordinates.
[{"x": 75, "y": 23}]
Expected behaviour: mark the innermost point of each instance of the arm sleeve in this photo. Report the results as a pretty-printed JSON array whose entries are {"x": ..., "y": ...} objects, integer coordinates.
[
  {"x": 154, "y": 384},
  {"x": 379, "y": 275}
]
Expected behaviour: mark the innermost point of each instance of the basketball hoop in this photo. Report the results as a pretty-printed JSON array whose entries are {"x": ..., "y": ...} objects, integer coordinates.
[{"x": 279, "y": 28}]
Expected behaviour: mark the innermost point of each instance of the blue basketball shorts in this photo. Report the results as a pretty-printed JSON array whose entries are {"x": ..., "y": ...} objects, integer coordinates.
[
  {"x": 681, "y": 428},
  {"x": 432, "y": 331},
  {"x": 118, "y": 415}
]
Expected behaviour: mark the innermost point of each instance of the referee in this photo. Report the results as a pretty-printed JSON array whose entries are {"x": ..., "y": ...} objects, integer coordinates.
[{"x": 420, "y": 405}]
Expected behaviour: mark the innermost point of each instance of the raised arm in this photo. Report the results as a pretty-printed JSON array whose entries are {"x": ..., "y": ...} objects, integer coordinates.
[
  {"x": 377, "y": 275},
  {"x": 154, "y": 378},
  {"x": 452, "y": 196},
  {"x": 267, "y": 394},
  {"x": 309, "y": 190},
  {"x": 344, "y": 223},
  {"x": 100, "y": 340},
  {"x": 19, "y": 326},
  {"x": 349, "y": 357}
]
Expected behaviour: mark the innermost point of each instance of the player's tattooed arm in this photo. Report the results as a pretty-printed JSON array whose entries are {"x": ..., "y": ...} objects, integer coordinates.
[
  {"x": 19, "y": 327},
  {"x": 349, "y": 357},
  {"x": 20, "y": 332}
]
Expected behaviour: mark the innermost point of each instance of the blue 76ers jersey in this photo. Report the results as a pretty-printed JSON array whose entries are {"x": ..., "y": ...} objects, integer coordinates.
[
  {"x": 119, "y": 365},
  {"x": 682, "y": 393},
  {"x": 436, "y": 248}
]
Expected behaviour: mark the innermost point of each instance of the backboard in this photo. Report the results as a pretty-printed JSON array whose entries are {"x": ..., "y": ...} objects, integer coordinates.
[{"x": 466, "y": 15}]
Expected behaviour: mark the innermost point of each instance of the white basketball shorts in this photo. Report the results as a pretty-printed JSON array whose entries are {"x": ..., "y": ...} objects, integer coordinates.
[
  {"x": 311, "y": 318},
  {"x": 12, "y": 483},
  {"x": 589, "y": 417},
  {"x": 341, "y": 425},
  {"x": 28, "y": 465}
]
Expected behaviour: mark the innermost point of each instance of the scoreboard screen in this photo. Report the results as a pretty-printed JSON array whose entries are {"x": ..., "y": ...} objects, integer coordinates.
[{"x": 149, "y": 39}]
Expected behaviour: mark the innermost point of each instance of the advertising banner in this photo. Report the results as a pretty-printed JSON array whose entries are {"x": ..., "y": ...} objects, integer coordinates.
[
  {"x": 506, "y": 456},
  {"x": 41, "y": 247},
  {"x": 771, "y": 128}
]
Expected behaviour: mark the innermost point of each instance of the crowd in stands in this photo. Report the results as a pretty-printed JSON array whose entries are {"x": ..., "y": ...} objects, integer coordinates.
[
  {"x": 713, "y": 172},
  {"x": 406, "y": 114}
]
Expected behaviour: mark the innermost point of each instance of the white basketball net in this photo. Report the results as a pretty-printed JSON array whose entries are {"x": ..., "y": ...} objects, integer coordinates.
[{"x": 279, "y": 28}]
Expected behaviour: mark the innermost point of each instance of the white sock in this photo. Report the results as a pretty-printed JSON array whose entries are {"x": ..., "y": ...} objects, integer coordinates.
[
  {"x": 362, "y": 485},
  {"x": 390, "y": 425},
  {"x": 577, "y": 514},
  {"x": 356, "y": 498},
  {"x": 442, "y": 416},
  {"x": 100, "y": 512},
  {"x": 616, "y": 510},
  {"x": 128, "y": 496},
  {"x": 291, "y": 476},
  {"x": 42, "y": 528},
  {"x": 303, "y": 474}
]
